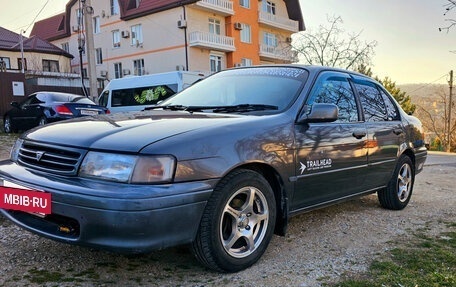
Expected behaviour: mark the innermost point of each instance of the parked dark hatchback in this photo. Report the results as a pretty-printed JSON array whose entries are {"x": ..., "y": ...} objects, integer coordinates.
[
  {"x": 221, "y": 165},
  {"x": 46, "y": 107}
]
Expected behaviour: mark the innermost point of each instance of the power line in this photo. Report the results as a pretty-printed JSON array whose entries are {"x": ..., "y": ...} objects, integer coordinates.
[
  {"x": 33, "y": 21},
  {"x": 423, "y": 86}
]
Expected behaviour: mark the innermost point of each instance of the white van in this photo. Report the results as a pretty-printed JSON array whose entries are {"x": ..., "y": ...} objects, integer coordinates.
[{"x": 137, "y": 92}]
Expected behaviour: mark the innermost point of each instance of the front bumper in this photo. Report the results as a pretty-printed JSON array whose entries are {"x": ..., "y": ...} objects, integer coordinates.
[{"x": 114, "y": 216}]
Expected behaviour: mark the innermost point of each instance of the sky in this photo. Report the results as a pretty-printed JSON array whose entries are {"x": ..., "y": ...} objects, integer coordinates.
[{"x": 410, "y": 47}]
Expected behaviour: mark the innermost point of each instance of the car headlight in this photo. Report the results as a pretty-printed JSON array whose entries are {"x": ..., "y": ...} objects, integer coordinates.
[
  {"x": 14, "y": 154},
  {"x": 128, "y": 168}
]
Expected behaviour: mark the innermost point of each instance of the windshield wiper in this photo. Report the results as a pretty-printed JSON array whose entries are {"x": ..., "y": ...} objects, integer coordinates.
[{"x": 242, "y": 108}]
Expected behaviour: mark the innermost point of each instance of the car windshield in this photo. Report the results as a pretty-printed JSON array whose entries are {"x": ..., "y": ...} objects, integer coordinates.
[{"x": 268, "y": 89}]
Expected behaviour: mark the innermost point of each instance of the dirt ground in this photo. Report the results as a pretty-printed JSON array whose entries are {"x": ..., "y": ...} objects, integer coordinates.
[{"x": 320, "y": 247}]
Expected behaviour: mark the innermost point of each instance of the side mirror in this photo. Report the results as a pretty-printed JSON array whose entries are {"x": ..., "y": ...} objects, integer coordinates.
[
  {"x": 15, "y": 104},
  {"x": 320, "y": 113}
]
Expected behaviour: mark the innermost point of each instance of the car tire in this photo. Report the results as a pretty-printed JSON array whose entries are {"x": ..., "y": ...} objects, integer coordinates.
[
  {"x": 8, "y": 125},
  {"x": 397, "y": 194},
  {"x": 236, "y": 228},
  {"x": 42, "y": 121}
]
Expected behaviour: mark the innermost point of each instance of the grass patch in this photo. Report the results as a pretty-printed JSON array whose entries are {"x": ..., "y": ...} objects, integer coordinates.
[{"x": 421, "y": 261}]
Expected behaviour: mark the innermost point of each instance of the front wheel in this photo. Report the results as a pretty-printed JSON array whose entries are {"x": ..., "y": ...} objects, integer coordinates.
[
  {"x": 237, "y": 224},
  {"x": 397, "y": 194},
  {"x": 42, "y": 121}
]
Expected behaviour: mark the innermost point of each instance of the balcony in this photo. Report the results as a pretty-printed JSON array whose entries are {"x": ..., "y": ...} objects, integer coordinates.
[
  {"x": 211, "y": 41},
  {"x": 273, "y": 53},
  {"x": 221, "y": 7},
  {"x": 278, "y": 22}
]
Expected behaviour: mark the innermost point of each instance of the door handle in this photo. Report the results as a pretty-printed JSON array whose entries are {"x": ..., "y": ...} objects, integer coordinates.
[{"x": 359, "y": 134}]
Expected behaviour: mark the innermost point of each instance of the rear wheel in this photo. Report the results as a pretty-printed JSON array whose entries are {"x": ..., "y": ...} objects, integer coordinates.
[
  {"x": 397, "y": 194},
  {"x": 237, "y": 224},
  {"x": 42, "y": 121},
  {"x": 7, "y": 125}
]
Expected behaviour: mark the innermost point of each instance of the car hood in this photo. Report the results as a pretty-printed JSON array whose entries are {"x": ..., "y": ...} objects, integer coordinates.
[{"x": 128, "y": 132}]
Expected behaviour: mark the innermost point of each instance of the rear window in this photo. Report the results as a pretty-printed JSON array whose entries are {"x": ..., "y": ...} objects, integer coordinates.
[{"x": 142, "y": 95}]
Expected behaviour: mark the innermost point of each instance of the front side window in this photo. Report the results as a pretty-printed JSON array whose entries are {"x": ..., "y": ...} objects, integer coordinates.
[
  {"x": 246, "y": 35},
  {"x": 96, "y": 25},
  {"x": 334, "y": 88},
  {"x": 214, "y": 26},
  {"x": 269, "y": 7},
  {"x": 216, "y": 63},
  {"x": 99, "y": 56},
  {"x": 50, "y": 66},
  {"x": 391, "y": 108},
  {"x": 116, "y": 38},
  {"x": 136, "y": 34},
  {"x": 117, "y": 70},
  {"x": 138, "y": 67}
]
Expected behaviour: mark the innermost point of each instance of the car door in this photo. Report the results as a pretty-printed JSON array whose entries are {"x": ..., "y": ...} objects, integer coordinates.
[
  {"x": 384, "y": 128},
  {"x": 28, "y": 113},
  {"x": 331, "y": 158}
]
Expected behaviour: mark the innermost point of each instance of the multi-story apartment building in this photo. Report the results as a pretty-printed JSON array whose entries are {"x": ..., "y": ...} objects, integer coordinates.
[{"x": 147, "y": 36}]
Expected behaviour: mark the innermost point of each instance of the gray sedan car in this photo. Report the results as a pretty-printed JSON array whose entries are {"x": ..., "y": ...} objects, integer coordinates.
[{"x": 220, "y": 166}]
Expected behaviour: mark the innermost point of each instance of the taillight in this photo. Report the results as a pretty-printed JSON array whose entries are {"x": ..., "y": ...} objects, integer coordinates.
[
  {"x": 108, "y": 111},
  {"x": 63, "y": 110}
]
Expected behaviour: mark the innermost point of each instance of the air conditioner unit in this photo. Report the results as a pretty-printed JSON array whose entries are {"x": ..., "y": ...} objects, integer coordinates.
[
  {"x": 238, "y": 26},
  {"x": 104, "y": 73},
  {"x": 126, "y": 71},
  {"x": 125, "y": 34},
  {"x": 181, "y": 24},
  {"x": 116, "y": 45},
  {"x": 179, "y": 67},
  {"x": 75, "y": 28},
  {"x": 138, "y": 44},
  {"x": 288, "y": 39},
  {"x": 238, "y": 65}
]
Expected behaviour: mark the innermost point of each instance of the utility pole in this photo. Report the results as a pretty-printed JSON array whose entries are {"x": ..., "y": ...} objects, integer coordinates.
[
  {"x": 90, "y": 50},
  {"x": 448, "y": 149}
]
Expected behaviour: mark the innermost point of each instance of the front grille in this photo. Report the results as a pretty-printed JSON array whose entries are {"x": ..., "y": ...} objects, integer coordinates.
[{"x": 49, "y": 158}]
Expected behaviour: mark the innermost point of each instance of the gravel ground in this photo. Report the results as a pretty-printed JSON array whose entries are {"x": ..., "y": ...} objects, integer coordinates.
[{"x": 320, "y": 247}]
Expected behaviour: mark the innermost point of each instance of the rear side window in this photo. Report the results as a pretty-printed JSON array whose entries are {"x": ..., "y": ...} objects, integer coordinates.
[
  {"x": 142, "y": 95},
  {"x": 377, "y": 106},
  {"x": 334, "y": 88}
]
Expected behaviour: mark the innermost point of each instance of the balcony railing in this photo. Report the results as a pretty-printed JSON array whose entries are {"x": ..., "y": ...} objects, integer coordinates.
[
  {"x": 277, "y": 53},
  {"x": 211, "y": 41},
  {"x": 278, "y": 22},
  {"x": 223, "y": 7}
]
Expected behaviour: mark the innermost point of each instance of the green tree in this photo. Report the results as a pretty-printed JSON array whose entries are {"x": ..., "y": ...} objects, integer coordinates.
[{"x": 401, "y": 97}]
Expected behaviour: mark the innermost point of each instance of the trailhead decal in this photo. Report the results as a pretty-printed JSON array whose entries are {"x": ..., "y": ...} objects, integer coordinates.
[{"x": 315, "y": 164}]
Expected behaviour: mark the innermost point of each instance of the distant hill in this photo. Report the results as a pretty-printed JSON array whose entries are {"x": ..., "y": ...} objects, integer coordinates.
[{"x": 421, "y": 93}]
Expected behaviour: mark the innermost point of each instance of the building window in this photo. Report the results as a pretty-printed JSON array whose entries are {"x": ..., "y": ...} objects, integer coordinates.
[
  {"x": 244, "y": 3},
  {"x": 136, "y": 34},
  {"x": 269, "y": 7},
  {"x": 50, "y": 66},
  {"x": 66, "y": 47},
  {"x": 214, "y": 26},
  {"x": 138, "y": 67},
  {"x": 117, "y": 70},
  {"x": 116, "y": 38},
  {"x": 137, "y": 3},
  {"x": 216, "y": 63},
  {"x": 19, "y": 64},
  {"x": 5, "y": 63},
  {"x": 270, "y": 39},
  {"x": 246, "y": 62},
  {"x": 99, "y": 56},
  {"x": 246, "y": 34},
  {"x": 114, "y": 7},
  {"x": 96, "y": 25},
  {"x": 79, "y": 17}
]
